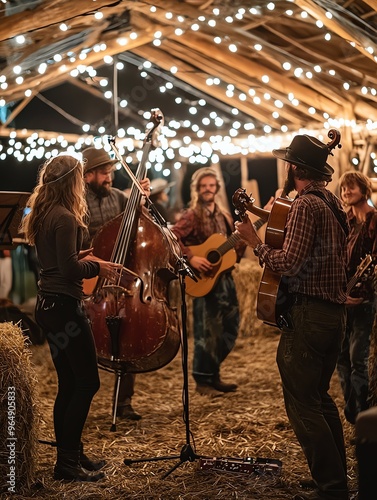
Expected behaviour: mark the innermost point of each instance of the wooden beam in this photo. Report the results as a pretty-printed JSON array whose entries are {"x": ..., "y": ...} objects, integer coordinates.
[
  {"x": 55, "y": 75},
  {"x": 211, "y": 68},
  {"x": 19, "y": 108},
  {"x": 45, "y": 134},
  {"x": 254, "y": 70},
  {"x": 99, "y": 94},
  {"x": 332, "y": 24},
  {"x": 47, "y": 13},
  {"x": 198, "y": 80}
]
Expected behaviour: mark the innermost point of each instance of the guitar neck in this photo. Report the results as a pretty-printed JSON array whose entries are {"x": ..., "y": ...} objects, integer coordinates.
[
  {"x": 233, "y": 239},
  {"x": 259, "y": 223},
  {"x": 351, "y": 284}
]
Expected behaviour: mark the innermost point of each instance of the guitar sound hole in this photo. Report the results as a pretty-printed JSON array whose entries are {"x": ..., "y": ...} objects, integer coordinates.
[{"x": 213, "y": 256}]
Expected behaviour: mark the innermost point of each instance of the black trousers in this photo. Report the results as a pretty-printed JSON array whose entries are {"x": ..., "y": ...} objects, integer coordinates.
[{"x": 73, "y": 353}]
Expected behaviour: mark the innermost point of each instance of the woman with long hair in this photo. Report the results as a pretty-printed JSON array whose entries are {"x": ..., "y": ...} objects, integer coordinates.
[{"x": 56, "y": 225}]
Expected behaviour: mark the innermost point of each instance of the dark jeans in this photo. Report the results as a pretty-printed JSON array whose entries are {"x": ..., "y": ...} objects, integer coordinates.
[
  {"x": 306, "y": 358},
  {"x": 216, "y": 320},
  {"x": 74, "y": 355},
  {"x": 353, "y": 359}
]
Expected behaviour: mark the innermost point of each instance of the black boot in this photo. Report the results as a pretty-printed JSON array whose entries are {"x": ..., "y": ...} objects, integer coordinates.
[
  {"x": 68, "y": 467},
  {"x": 90, "y": 464}
]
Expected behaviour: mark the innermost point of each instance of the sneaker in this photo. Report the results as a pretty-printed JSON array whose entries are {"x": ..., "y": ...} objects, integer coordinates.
[
  {"x": 208, "y": 390},
  {"x": 127, "y": 412}
]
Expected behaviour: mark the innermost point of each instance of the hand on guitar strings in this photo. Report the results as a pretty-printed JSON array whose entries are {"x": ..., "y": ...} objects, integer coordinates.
[
  {"x": 200, "y": 264},
  {"x": 248, "y": 233}
]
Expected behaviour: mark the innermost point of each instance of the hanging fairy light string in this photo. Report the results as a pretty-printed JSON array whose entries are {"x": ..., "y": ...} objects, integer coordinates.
[{"x": 240, "y": 136}]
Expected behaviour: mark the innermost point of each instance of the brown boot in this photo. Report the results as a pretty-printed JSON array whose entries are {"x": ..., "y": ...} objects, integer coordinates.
[{"x": 125, "y": 410}]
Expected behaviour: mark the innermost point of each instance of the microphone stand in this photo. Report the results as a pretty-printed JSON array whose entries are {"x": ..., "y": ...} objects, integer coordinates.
[{"x": 188, "y": 453}]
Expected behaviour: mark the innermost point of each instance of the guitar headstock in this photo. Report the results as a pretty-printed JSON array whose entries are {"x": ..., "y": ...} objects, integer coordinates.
[
  {"x": 242, "y": 202},
  {"x": 364, "y": 264}
]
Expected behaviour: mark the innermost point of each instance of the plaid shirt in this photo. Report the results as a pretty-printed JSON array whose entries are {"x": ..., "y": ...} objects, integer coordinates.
[
  {"x": 102, "y": 210},
  {"x": 196, "y": 225},
  {"x": 313, "y": 256}
]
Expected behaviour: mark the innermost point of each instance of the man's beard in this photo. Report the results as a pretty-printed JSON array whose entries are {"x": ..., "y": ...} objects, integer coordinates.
[
  {"x": 100, "y": 189},
  {"x": 204, "y": 201},
  {"x": 289, "y": 184}
]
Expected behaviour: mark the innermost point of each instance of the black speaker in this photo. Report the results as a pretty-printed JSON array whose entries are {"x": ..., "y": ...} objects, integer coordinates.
[{"x": 366, "y": 453}]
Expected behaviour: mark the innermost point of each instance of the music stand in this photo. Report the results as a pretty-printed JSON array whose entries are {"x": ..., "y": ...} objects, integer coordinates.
[{"x": 12, "y": 205}]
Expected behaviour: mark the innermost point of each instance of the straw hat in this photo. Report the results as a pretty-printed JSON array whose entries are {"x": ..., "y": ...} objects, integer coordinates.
[
  {"x": 94, "y": 158},
  {"x": 306, "y": 151}
]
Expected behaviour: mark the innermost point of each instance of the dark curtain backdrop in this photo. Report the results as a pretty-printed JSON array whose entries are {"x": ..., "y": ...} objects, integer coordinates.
[{"x": 264, "y": 171}]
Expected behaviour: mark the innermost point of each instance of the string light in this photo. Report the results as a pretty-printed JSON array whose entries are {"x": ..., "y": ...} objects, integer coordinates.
[{"x": 224, "y": 143}]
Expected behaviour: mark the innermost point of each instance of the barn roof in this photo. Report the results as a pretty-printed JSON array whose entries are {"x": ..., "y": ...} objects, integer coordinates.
[{"x": 246, "y": 74}]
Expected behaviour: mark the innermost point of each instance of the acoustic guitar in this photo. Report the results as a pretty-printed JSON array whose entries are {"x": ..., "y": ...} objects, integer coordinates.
[
  {"x": 362, "y": 268},
  {"x": 272, "y": 298},
  {"x": 219, "y": 250}
]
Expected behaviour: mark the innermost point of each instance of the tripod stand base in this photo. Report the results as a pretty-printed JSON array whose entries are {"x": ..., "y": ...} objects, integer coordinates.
[{"x": 187, "y": 455}]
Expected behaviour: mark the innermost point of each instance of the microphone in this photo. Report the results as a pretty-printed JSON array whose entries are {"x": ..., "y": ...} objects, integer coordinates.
[{"x": 186, "y": 270}]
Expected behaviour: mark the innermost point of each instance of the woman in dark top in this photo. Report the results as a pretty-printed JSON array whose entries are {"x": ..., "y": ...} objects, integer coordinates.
[{"x": 55, "y": 225}]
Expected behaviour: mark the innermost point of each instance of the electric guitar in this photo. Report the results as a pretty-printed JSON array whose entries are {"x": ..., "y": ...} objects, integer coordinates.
[{"x": 219, "y": 250}]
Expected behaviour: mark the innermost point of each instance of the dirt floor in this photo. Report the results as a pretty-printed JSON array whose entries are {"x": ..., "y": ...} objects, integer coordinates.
[{"x": 248, "y": 423}]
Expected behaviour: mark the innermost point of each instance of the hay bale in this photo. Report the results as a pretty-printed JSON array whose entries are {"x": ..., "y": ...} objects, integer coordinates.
[
  {"x": 247, "y": 274},
  {"x": 18, "y": 413}
]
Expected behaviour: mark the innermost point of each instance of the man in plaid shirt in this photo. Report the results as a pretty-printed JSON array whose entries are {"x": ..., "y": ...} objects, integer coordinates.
[
  {"x": 312, "y": 262},
  {"x": 104, "y": 203}
]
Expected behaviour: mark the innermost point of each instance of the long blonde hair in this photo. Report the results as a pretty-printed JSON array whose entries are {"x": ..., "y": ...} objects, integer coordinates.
[
  {"x": 194, "y": 184},
  {"x": 60, "y": 182}
]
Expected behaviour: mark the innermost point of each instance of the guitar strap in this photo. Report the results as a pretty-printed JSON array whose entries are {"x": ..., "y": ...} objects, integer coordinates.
[{"x": 342, "y": 221}]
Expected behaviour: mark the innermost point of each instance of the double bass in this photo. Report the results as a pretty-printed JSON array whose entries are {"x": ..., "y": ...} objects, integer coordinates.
[{"x": 135, "y": 322}]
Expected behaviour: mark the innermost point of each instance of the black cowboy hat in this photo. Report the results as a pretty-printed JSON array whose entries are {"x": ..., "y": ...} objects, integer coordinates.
[{"x": 308, "y": 152}]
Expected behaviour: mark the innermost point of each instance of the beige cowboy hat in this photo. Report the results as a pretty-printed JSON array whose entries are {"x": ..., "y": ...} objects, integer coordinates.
[{"x": 158, "y": 185}]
